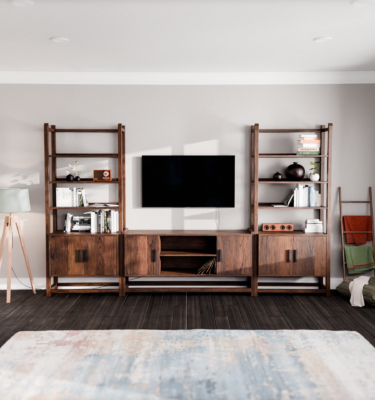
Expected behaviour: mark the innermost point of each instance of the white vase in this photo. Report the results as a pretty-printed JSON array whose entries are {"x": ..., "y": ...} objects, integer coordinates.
[{"x": 314, "y": 177}]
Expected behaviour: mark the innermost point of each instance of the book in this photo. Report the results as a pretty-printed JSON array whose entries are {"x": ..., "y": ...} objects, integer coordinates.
[
  {"x": 314, "y": 230},
  {"x": 295, "y": 197},
  {"x": 94, "y": 221},
  {"x": 307, "y": 153},
  {"x": 68, "y": 223},
  {"x": 308, "y": 135},
  {"x": 313, "y": 221},
  {"x": 309, "y": 142},
  {"x": 308, "y": 148}
]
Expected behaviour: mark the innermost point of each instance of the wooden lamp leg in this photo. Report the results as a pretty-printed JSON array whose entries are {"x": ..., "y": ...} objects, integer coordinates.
[
  {"x": 17, "y": 223},
  {"x": 3, "y": 239},
  {"x": 9, "y": 260}
]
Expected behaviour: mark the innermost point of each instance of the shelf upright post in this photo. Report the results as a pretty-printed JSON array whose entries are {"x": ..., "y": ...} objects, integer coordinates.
[
  {"x": 254, "y": 205},
  {"x": 254, "y": 178},
  {"x": 47, "y": 204},
  {"x": 54, "y": 186},
  {"x": 323, "y": 176},
  {"x": 328, "y": 215}
]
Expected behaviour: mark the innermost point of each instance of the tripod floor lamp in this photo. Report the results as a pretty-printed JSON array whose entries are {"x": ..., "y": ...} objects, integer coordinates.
[{"x": 13, "y": 200}]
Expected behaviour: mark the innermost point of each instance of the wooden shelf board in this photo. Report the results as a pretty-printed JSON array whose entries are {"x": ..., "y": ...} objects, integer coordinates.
[
  {"x": 85, "y": 130},
  {"x": 317, "y": 130},
  {"x": 85, "y": 155},
  {"x": 185, "y": 254},
  {"x": 269, "y": 206},
  {"x": 84, "y": 181},
  {"x": 293, "y": 233},
  {"x": 62, "y": 233},
  {"x": 284, "y": 181},
  {"x": 184, "y": 272},
  {"x": 84, "y": 208},
  {"x": 289, "y": 155},
  {"x": 189, "y": 232}
]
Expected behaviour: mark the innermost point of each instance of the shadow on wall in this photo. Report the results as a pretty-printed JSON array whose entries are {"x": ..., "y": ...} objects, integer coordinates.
[
  {"x": 30, "y": 178},
  {"x": 226, "y": 143}
]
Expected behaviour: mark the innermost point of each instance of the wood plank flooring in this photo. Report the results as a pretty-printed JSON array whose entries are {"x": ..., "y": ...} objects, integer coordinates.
[{"x": 28, "y": 312}]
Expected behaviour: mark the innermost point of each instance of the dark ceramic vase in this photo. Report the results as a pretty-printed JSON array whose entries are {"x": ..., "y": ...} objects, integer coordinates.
[
  {"x": 295, "y": 172},
  {"x": 70, "y": 177},
  {"x": 277, "y": 177},
  {"x": 77, "y": 178}
]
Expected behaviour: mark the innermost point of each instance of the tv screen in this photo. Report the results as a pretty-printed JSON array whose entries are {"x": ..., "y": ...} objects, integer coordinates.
[{"x": 188, "y": 181}]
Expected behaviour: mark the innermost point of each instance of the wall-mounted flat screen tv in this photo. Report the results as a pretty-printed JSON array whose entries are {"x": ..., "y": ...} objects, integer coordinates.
[{"x": 188, "y": 181}]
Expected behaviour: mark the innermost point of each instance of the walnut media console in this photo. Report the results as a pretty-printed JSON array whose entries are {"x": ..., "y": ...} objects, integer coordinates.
[{"x": 167, "y": 255}]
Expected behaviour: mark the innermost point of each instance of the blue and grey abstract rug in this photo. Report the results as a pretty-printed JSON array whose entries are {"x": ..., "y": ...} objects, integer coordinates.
[{"x": 196, "y": 364}]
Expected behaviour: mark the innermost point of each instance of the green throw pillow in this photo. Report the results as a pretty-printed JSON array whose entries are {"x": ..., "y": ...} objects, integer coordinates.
[{"x": 368, "y": 290}]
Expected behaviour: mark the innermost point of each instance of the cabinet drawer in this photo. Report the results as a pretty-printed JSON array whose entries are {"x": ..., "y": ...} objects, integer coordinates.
[
  {"x": 84, "y": 256},
  {"x": 292, "y": 255}
]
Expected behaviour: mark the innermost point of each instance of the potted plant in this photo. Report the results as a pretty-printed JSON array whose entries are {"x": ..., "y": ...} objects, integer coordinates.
[{"x": 314, "y": 176}]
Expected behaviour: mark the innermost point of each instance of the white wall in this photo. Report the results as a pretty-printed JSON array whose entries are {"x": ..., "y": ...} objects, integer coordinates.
[{"x": 182, "y": 120}]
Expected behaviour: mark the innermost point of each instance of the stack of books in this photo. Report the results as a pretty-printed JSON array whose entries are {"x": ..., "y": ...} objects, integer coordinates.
[
  {"x": 75, "y": 197},
  {"x": 313, "y": 226},
  {"x": 102, "y": 221},
  {"x": 302, "y": 196},
  {"x": 308, "y": 144}
]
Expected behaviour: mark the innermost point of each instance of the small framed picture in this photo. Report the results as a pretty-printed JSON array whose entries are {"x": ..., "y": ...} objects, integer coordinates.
[{"x": 102, "y": 175}]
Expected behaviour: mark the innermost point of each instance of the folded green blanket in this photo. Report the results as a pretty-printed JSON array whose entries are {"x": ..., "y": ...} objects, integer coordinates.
[{"x": 359, "y": 259}]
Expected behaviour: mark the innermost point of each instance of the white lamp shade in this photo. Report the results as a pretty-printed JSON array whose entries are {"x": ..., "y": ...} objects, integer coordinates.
[{"x": 14, "y": 200}]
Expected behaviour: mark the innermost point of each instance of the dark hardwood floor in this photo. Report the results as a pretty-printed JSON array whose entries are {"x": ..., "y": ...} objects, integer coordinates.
[{"x": 28, "y": 312}]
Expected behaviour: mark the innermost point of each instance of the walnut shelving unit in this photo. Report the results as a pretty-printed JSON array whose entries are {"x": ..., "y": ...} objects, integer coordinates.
[
  {"x": 311, "y": 251},
  {"x": 82, "y": 254}
]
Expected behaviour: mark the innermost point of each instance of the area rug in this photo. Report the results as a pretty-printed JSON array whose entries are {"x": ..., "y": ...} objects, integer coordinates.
[{"x": 195, "y": 364}]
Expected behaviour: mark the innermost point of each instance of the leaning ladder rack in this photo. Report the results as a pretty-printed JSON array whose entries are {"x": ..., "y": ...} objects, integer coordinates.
[{"x": 344, "y": 232}]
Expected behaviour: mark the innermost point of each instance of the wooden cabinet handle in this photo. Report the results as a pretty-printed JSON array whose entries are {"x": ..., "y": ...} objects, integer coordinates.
[
  {"x": 86, "y": 256},
  {"x": 79, "y": 256},
  {"x": 295, "y": 255},
  {"x": 220, "y": 255},
  {"x": 289, "y": 255}
]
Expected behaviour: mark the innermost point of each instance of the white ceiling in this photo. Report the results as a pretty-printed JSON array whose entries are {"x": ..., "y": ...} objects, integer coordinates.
[{"x": 196, "y": 36}]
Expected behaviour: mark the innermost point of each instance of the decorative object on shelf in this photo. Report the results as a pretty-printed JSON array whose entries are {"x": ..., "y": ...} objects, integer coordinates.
[
  {"x": 73, "y": 170},
  {"x": 78, "y": 178},
  {"x": 295, "y": 172},
  {"x": 313, "y": 226},
  {"x": 102, "y": 175},
  {"x": 277, "y": 177},
  {"x": 208, "y": 267},
  {"x": 278, "y": 227},
  {"x": 308, "y": 144},
  {"x": 314, "y": 176},
  {"x": 14, "y": 201}
]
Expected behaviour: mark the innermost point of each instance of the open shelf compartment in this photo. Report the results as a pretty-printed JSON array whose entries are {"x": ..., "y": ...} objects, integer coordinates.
[{"x": 184, "y": 255}]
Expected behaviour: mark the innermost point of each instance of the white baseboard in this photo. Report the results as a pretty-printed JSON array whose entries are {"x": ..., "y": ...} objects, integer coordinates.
[{"x": 40, "y": 283}]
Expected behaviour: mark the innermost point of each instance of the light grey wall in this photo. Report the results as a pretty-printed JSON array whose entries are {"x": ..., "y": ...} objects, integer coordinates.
[{"x": 182, "y": 120}]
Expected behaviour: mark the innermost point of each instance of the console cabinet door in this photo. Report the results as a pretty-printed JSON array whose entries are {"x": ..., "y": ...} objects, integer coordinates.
[
  {"x": 310, "y": 256},
  {"x": 274, "y": 254},
  {"x": 100, "y": 255},
  {"x": 62, "y": 254},
  {"x": 84, "y": 256},
  {"x": 292, "y": 255},
  {"x": 234, "y": 255},
  {"x": 142, "y": 255}
]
